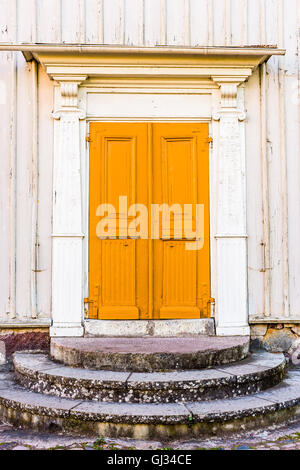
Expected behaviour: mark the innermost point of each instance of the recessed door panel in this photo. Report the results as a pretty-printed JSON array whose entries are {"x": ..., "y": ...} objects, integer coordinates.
[{"x": 119, "y": 176}]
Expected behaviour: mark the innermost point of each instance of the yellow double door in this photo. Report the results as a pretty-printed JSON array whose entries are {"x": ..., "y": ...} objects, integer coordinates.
[{"x": 159, "y": 274}]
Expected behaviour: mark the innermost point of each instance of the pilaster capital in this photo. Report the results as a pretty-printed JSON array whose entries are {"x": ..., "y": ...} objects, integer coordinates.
[
  {"x": 236, "y": 114},
  {"x": 69, "y": 114}
]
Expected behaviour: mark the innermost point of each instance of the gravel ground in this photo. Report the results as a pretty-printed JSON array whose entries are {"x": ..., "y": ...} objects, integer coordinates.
[{"x": 283, "y": 438}]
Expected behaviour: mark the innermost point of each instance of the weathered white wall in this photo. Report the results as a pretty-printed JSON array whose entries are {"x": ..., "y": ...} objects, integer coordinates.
[
  {"x": 273, "y": 156},
  {"x": 146, "y": 22}
]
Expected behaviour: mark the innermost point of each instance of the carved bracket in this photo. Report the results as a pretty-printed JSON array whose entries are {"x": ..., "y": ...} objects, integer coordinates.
[
  {"x": 229, "y": 95},
  {"x": 69, "y": 89},
  {"x": 229, "y": 91}
]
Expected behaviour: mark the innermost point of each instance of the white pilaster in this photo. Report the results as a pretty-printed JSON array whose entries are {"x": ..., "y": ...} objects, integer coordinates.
[
  {"x": 231, "y": 237},
  {"x": 67, "y": 245}
]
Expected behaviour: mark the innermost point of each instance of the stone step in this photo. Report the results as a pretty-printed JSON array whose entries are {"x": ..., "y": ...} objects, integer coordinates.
[
  {"x": 28, "y": 409},
  {"x": 149, "y": 354},
  {"x": 258, "y": 372}
]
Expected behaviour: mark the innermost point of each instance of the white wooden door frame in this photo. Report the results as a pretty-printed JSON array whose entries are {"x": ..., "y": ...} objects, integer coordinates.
[{"x": 220, "y": 73}]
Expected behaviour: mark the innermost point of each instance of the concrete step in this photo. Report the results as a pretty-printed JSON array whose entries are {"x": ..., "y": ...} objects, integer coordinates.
[
  {"x": 149, "y": 354},
  {"x": 28, "y": 409},
  {"x": 258, "y": 372}
]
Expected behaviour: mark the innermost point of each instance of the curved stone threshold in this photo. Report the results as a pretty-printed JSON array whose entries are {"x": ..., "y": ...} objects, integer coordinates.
[
  {"x": 38, "y": 373},
  {"x": 147, "y": 421},
  {"x": 149, "y": 354}
]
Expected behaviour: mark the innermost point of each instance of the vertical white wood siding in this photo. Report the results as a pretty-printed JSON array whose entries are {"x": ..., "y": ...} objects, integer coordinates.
[{"x": 273, "y": 156}]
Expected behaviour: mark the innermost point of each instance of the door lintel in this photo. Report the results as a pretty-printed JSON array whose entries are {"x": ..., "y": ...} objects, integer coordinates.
[{"x": 65, "y": 62}]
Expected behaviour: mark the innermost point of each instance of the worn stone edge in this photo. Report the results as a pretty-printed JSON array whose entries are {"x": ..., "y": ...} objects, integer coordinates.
[
  {"x": 139, "y": 362},
  {"x": 187, "y": 417},
  {"x": 42, "y": 381}
]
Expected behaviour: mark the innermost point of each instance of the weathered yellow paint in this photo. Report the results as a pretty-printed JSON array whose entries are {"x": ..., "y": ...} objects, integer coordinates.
[{"x": 149, "y": 164}]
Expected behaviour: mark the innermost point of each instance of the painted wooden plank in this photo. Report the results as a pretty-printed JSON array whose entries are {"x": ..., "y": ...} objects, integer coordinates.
[
  {"x": 254, "y": 198},
  {"x": 154, "y": 22},
  {"x": 151, "y": 105},
  {"x": 272, "y": 22},
  {"x": 266, "y": 263},
  {"x": 219, "y": 22},
  {"x": 6, "y": 94},
  {"x": 7, "y": 21},
  {"x": 254, "y": 23},
  {"x": 292, "y": 142},
  {"x": 291, "y": 37},
  {"x": 72, "y": 22},
  {"x": 134, "y": 22},
  {"x": 284, "y": 191},
  {"x": 228, "y": 21},
  {"x": 177, "y": 22},
  {"x": 34, "y": 189},
  {"x": 262, "y": 20},
  {"x": 26, "y": 24},
  {"x": 94, "y": 21},
  {"x": 275, "y": 189},
  {"x": 48, "y": 21},
  {"x": 113, "y": 22},
  {"x": 45, "y": 99},
  {"x": 152, "y": 18},
  {"x": 238, "y": 23},
  {"x": 200, "y": 25},
  {"x": 23, "y": 189},
  {"x": 210, "y": 23},
  {"x": 283, "y": 169}
]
